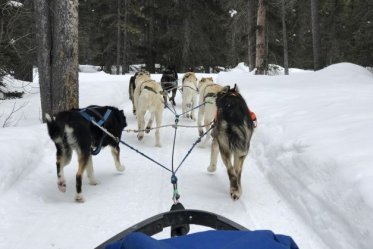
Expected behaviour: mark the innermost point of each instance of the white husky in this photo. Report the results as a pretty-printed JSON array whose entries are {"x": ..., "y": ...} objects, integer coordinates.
[
  {"x": 207, "y": 95},
  {"x": 190, "y": 92},
  {"x": 148, "y": 96}
]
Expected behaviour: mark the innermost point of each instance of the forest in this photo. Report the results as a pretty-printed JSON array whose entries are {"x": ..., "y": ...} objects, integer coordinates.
[{"x": 201, "y": 36}]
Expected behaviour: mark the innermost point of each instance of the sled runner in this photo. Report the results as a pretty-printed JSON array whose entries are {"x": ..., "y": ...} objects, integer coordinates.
[{"x": 227, "y": 234}]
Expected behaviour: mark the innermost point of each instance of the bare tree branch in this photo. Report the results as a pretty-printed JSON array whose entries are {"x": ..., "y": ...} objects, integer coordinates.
[{"x": 8, "y": 119}]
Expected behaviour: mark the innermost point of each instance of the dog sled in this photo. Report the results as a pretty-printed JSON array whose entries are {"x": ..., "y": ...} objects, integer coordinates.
[{"x": 225, "y": 234}]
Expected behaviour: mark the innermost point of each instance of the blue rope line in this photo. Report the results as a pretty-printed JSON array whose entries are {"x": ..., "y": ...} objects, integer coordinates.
[
  {"x": 198, "y": 106},
  {"x": 144, "y": 155},
  {"x": 194, "y": 144},
  {"x": 173, "y": 145}
]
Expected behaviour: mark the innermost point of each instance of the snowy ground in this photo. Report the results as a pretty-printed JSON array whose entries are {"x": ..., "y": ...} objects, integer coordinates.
[{"x": 308, "y": 174}]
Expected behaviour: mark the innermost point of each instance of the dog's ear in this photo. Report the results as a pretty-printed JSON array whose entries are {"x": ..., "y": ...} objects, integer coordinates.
[
  {"x": 225, "y": 89},
  {"x": 235, "y": 88}
]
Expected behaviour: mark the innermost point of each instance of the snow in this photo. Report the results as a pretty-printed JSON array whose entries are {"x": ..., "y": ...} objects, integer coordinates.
[
  {"x": 14, "y": 4},
  {"x": 308, "y": 174}
]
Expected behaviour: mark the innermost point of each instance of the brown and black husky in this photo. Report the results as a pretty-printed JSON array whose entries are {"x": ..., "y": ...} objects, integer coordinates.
[{"x": 233, "y": 128}]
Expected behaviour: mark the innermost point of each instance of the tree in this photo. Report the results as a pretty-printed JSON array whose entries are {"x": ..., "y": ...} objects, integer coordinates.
[
  {"x": 57, "y": 37},
  {"x": 125, "y": 37},
  {"x": 16, "y": 39},
  {"x": 251, "y": 34},
  {"x": 316, "y": 40},
  {"x": 119, "y": 31},
  {"x": 260, "y": 62},
  {"x": 284, "y": 35}
]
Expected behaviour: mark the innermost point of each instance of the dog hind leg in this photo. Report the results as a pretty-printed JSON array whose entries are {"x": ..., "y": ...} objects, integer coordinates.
[
  {"x": 150, "y": 123},
  {"x": 201, "y": 113},
  {"x": 173, "y": 96},
  {"x": 234, "y": 188},
  {"x": 214, "y": 155},
  {"x": 115, "y": 151},
  {"x": 83, "y": 159},
  {"x": 63, "y": 157},
  {"x": 90, "y": 173},
  {"x": 238, "y": 163},
  {"x": 141, "y": 123},
  {"x": 158, "y": 120}
]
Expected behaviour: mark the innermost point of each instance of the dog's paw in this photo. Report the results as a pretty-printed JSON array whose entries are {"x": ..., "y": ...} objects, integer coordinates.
[
  {"x": 62, "y": 187},
  {"x": 79, "y": 198},
  {"x": 121, "y": 168},
  {"x": 200, "y": 132},
  {"x": 235, "y": 194},
  {"x": 140, "y": 137},
  {"x": 147, "y": 130},
  {"x": 94, "y": 181},
  {"x": 211, "y": 169},
  {"x": 158, "y": 145}
]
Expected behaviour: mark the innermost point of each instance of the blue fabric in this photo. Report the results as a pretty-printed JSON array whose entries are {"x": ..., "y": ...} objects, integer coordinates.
[
  {"x": 91, "y": 118},
  {"x": 216, "y": 239}
]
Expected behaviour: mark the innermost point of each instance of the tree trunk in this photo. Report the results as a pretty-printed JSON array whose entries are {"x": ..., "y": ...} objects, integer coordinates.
[
  {"x": 125, "y": 39},
  {"x": 118, "y": 36},
  {"x": 1, "y": 27},
  {"x": 260, "y": 62},
  {"x": 150, "y": 61},
  {"x": 186, "y": 45},
  {"x": 57, "y": 37},
  {"x": 65, "y": 64},
  {"x": 43, "y": 39},
  {"x": 233, "y": 51},
  {"x": 316, "y": 40},
  {"x": 284, "y": 37},
  {"x": 250, "y": 35},
  {"x": 186, "y": 37}
]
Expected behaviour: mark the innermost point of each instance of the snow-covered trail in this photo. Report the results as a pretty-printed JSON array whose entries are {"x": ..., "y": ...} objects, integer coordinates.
[{"x": 45, "y": 218}]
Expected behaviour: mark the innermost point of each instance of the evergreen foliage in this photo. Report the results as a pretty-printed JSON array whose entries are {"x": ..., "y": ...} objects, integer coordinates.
[{"x": 193, "y": 35}]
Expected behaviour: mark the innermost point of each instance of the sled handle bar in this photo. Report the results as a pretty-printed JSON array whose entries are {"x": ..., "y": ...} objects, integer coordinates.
[{"x": 155, "y": 224}]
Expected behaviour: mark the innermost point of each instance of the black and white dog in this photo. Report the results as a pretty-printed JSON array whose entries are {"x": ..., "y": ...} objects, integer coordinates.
[
  {"x": 169, "y": 83},
  {"x": 73, "y": 130},
  {"x": 233, "y": 128}
]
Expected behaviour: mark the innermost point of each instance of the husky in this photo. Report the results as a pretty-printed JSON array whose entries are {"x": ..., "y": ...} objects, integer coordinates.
[
  {"x": 206, "y": 112},
  {"x": 189, "y": 94},
  {"x": 132, "y": 87},
  {"x": 233, "y": 128},
  {"x": 70, "y": 130},
  {"x": 148, "y": 96},
  {"x": 169, "y": 82}
]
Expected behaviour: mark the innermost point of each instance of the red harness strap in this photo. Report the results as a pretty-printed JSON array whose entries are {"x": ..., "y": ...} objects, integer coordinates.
[{"x": 252, "y": 116}]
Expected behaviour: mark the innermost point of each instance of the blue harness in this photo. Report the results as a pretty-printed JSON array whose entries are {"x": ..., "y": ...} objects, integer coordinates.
[{"x": 101, "y": 122}]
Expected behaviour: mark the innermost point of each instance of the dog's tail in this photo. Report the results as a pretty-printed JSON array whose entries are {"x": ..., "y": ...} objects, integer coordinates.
[{"x": 53, "y": 129}]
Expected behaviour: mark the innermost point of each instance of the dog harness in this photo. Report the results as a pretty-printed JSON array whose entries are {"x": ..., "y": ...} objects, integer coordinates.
[
  {"x": 101, "y": 122},
  {"x": 91, "y": 118},
  {"x": 252, "y": 114}
]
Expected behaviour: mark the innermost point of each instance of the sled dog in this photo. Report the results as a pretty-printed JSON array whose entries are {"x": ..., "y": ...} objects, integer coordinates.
[
  {"x": 189, "y": 94},
  {"x": 233, "y": 128},
  {"x": 70, "y": 130},
  {"x": 169, "y": 82},
  {"x": 148, "y": 96},
  {"x": 207, "y": 94}
]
